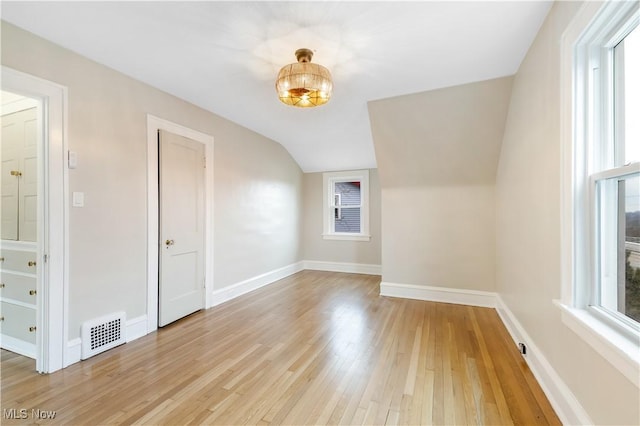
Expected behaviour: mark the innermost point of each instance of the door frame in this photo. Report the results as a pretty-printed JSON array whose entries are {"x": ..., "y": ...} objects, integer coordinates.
[
  {"x": 154, "y": 124},
  {"x": 52, "y": 297}
]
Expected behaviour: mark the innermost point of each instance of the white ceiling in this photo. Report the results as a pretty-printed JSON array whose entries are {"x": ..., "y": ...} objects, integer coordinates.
[{"x": 224, "y": 56}]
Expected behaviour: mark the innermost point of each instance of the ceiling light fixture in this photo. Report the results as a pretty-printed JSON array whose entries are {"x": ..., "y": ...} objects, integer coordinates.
[{"x": 304, "y": 84}]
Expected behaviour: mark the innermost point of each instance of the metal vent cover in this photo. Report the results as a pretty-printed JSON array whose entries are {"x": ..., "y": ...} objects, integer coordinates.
[{"x": 104, "y": 333}]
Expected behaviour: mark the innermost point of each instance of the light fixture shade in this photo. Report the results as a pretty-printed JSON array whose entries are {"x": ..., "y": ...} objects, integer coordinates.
[{"x": 304, "y": 84}]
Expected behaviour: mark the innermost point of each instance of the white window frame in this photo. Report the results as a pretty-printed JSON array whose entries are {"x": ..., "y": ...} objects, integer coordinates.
[
  {"x": 586, "y": 45},
  {"x": 329, "y": 180}
]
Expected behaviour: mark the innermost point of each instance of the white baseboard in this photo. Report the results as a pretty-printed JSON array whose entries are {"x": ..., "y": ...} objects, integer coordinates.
[
  {"x": 560, "y": 396},
  {"x": 485, "y": 299},
  {"x": 74, "y": 352},
  {"x": 350, "y": 268},
  {"x": 18, "y": 346},
  {"x": 136, "y": 328},
  {"x": 231, "y": 292}
]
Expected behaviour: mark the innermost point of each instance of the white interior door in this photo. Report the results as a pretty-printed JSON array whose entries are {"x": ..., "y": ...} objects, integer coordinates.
[{"x": 181, "y": 199}]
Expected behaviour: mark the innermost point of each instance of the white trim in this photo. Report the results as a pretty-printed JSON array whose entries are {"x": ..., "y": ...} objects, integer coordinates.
[
  {"x": 136, "y": 328},
  {"x": 616, "y": 172},
  {"x": 564, "y": 402},
  {"x": 616, "y": 348},
  {"x": 153, "y": 125},
  {"x": 74, "y": 351},
  {"x": 53, "y": 218},
  {"x": 350, "y": 268},
  {"x": 328, "y": 181},
  {"x": 18, "y": 346},
  {"x": 485, "y": 299},
  {"x": 347, "y": 237},
  {"x": 231, "y": 292}
]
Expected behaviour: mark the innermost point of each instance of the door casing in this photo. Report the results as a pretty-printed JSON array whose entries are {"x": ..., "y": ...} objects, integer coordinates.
[
  {"x": 53, "y": 219},
  {"x": 154, "y": 124}
]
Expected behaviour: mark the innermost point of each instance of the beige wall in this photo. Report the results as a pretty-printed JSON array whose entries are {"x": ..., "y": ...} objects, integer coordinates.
[
  {"x": 437, "y": 155},
  {"x": 257, "y": 183},
  {"x": 317, "y": 248},
  {"x": 528, "y": 221},
  {"x": 439, "y": 236}
]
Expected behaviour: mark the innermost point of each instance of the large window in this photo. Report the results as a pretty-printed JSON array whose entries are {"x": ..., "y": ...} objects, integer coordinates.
[
  {"x": 602, "y": 204},
  {"x": 346, "y": 205},
  {"x": 613, "y": 97}
]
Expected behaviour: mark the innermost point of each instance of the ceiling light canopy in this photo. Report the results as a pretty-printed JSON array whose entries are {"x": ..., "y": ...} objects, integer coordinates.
[{"x": 304, "y": 84}]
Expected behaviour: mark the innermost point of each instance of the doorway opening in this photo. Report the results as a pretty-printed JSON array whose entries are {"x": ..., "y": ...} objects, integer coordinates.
[
  {"x": 21, "y": 147},
  {"x": 34, "y": 219}
]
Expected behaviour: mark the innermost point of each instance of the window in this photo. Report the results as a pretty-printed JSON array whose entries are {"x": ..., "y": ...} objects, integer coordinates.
[
  {"x": 612, "y": 169},
  {"x": 601, "y": 232},
  {"x": 346, "y": 205}
]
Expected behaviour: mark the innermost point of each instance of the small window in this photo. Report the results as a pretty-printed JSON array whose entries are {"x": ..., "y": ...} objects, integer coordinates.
[{"x": 346, "y": 209}]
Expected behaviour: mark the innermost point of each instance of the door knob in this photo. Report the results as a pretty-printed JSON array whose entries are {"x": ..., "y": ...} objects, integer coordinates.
[
  {"x": 31, "y": 263},
  {"x": 169, "y": 243}
]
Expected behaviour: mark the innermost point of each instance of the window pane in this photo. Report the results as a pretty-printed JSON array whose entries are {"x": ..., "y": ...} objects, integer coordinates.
[
  {"x": 629, "y": 50},
  {"x": 349, "y": 193},
  {"x": 349, "y": 220},
  {"x": 619, "y": 245},
  {"x": 632, "y": 248}
]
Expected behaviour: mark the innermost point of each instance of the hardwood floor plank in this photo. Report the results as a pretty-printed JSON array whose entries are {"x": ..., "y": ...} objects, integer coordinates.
[{"x": 313, "y": 348}]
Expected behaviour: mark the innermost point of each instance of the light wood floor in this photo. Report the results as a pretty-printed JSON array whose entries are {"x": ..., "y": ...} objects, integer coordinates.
[{"x": 314, "y": 348}]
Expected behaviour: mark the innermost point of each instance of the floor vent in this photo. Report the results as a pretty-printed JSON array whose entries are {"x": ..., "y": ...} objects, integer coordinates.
[{"x": 101, "y": 334}]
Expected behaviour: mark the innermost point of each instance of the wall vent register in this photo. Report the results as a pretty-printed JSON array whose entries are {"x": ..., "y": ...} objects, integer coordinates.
[{"x": 101, "y": 334}]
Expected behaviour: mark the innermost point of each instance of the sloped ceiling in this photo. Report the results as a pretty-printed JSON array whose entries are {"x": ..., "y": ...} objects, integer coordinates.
[
  {"x": 224, "y": 56},
  {"x": 443, "y": 137}
]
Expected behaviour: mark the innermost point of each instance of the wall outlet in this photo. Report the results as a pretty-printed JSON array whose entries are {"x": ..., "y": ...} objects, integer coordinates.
[{"x": 523, "y": 348}]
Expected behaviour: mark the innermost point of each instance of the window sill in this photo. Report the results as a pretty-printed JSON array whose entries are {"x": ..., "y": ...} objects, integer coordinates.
[
  {"x": 617, "y": 348},
  {"x": 347, "y": 237}
]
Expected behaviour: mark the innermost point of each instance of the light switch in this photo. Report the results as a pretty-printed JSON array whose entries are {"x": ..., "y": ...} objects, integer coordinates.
[
  {"x": 73, "y": 159},
  {"x": 78, "y": 199}
]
